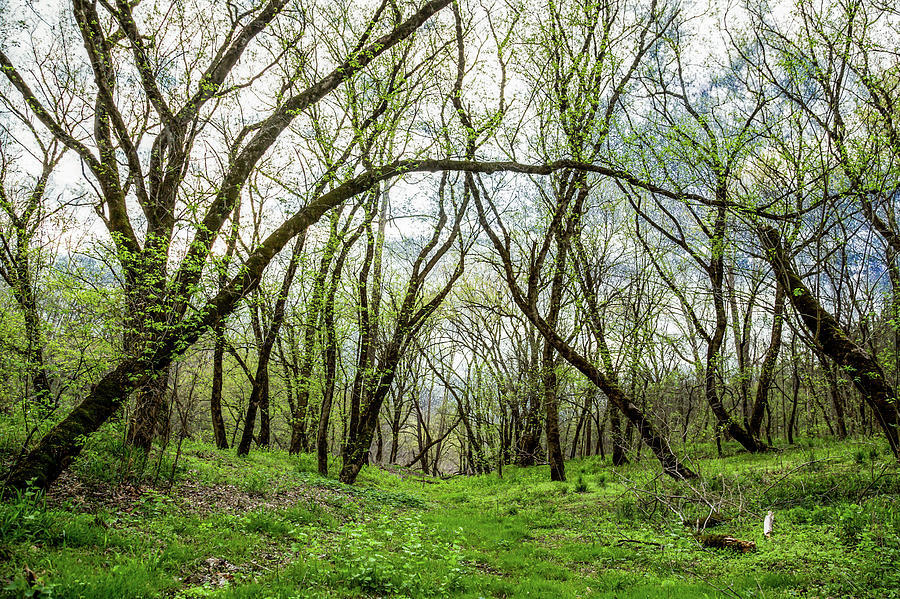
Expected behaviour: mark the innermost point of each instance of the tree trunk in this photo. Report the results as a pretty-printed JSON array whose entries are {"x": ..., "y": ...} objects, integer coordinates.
[
  {"x": 580, "y": 426},
  {"x": 259, "y": 396},
  {"x": 265, "y": 422},
  {"x": 395, "y": 431},
  {"x": 548, "y": 365},
  {"x": 866, "y": 373},
  {"x": 619, "y": 457},
  {"x": 330, "y": 353},
  {"x": 795, "y": 399},
  {"x": 215, "y": 398},
  {"x": 529, "y": 442},
  {"x": 668, "y": 460},
  {"x": 252, "y": 407},
  {"x": 835, "y": 393},
  {"x": 149, "y": 400},
  {"x": 299, "y": 438},
  {"x": 63, "y": 442},
  {"x": 147, "y": 315},
  {"x": 769, "y": 362},
  {"x": 41, "y": 393},
  {"x": 714, "y": 347},
  {"x": 551, "y": 403},
  {"x": 379, "y": 444}
]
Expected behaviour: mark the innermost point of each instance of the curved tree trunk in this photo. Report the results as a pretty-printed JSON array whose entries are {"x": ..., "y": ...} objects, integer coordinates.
[
  {"x": 867, "y": 374},
  {"x": 55, "y": 451},
  {"x": 670, "y": 463},
  {"x": 373, "y": 387},
  {"x": 259, "y": 387}
]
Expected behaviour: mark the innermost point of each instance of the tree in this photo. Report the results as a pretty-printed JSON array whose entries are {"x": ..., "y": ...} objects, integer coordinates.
[
  {"x": 164, "y": 319},
  {"x": 710, "y": 147},
  {"x": 24, "y": 211},
  {"x": 835, "y": 70},
  {"x": 259, "y": 396},
  {"x": 867, "y": 374},
  {"x": 375, "y": 375}
]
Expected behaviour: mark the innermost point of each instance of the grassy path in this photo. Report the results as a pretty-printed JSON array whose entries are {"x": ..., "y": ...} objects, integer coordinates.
[{"x": 267, "y": 526}]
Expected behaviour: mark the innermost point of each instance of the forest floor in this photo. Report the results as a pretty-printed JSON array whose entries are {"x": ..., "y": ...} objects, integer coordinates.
[{"x": 214, "y": 525}]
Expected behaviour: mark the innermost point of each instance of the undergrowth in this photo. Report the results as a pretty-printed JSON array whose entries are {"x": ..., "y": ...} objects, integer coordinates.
[{"x": 210, "y": 524}]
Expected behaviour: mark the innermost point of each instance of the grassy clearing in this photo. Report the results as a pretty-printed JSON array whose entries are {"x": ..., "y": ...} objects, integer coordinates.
[{"x": 268, "y": 526}]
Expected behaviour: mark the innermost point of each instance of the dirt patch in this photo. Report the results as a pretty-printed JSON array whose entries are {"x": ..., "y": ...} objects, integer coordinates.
[
  {"x": 204, "y": 499},
  {"x": 72, "y": 493},
  {"x": 215, "y": 572},
  {"x": 488, "y": 569},
  {"x": 69, "y": 491}
]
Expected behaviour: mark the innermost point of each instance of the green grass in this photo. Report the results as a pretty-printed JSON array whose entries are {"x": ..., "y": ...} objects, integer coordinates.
[{"x": 269, "y": 526}]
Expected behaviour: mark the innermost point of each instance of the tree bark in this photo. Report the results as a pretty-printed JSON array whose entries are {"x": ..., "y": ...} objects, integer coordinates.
[
  {"x": 148, "y": 408},
  {"x": 834, "y": 391},
  {"x": 619, "y": 457},
  {"x": 215, "y": 397},
  {"x": 580, "y": 426}
]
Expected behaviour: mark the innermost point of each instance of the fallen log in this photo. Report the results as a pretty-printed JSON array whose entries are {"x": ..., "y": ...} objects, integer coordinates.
[{"x": 726, "y": 542}]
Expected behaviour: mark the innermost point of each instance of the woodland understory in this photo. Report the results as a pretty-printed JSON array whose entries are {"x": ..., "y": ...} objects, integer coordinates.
[{"x": 567, "y": 255}]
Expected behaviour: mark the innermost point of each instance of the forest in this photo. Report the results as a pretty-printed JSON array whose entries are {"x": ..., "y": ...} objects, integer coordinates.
[{"x": 449, "y": 298}]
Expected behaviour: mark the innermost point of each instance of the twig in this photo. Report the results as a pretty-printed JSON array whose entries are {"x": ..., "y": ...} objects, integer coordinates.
[
  {"x": 621, "y": 542},
  {"x": 874, "y": 480},
  {"x": 727, "y": 591}
]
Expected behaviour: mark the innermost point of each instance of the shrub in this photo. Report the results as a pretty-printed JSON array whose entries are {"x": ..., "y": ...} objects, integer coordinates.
[{"x": 580, "y": 485}]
